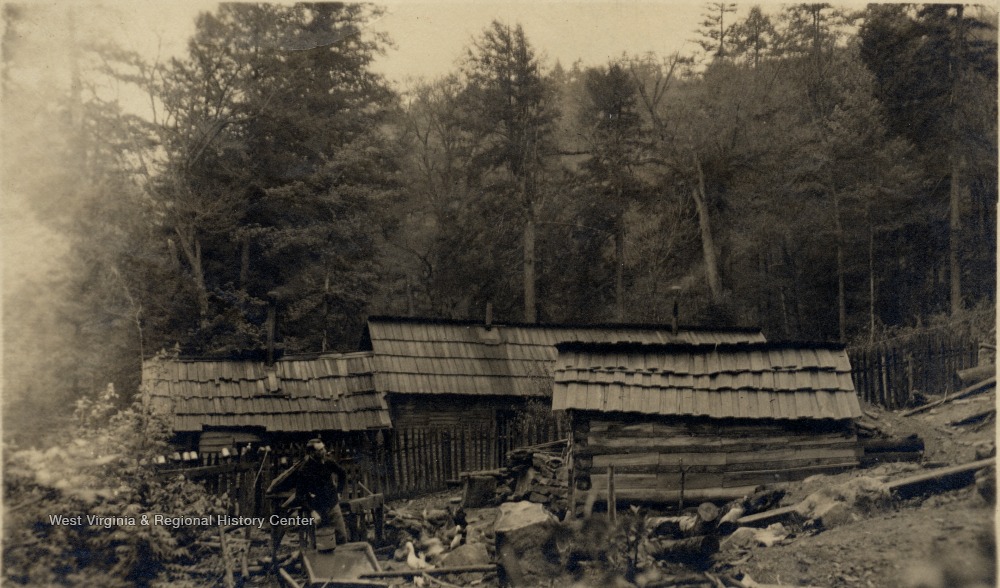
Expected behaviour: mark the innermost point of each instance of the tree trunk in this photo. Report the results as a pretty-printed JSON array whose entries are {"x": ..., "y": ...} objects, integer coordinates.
[
  {"x": 191, "y": 247},
  {"x": 705, "y": 227},
  {"x": 620, "y": 274},
  {"x": 841, "y": 297},
  {"x": 244, "y": 262},
  {"x": 955, "y": 162},
  {"x": 871, "y": 275},
  {"x": 955, "y": 233},
  {"x": 529, "y": 270}
]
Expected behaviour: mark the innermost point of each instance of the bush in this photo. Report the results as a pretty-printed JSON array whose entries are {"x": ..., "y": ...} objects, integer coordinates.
[{"x": 100, "y": 471}]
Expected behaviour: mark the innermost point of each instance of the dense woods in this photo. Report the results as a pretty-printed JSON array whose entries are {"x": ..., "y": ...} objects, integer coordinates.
[{"x": 824, "y": 174}]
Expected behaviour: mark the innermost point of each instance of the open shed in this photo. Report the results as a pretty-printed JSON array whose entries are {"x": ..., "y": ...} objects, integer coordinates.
[
  {"x": 709, "y": 422},
  {"x": 216, "y": 404}
]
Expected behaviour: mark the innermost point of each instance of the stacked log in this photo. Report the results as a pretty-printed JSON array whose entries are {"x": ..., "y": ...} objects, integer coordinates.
[{"x": 538, "y": 475}]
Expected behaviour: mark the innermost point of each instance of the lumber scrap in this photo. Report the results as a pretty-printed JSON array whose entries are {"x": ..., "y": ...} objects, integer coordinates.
[
  {"x": 777, "y": 515},
  {"x": 969, "y": 391},
  {"x": 939, "y": 480},
  {"x": 472, "y": 569}
]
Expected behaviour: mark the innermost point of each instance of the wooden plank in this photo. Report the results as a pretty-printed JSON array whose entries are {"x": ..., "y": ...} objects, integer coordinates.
[
  {"x": 627, "y": 460},
  {"x": 763, "y": 519},
  {"x": 969, "y": 391},
  {"x": 782, "y": 475},
  {"x": 941, "y": 479},
  {"x": 671, "y": 496},
  {"x": 624, "y": 449}
]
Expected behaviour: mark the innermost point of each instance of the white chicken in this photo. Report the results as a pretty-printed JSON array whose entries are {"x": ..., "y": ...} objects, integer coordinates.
[{"x": 413, "y": 560}]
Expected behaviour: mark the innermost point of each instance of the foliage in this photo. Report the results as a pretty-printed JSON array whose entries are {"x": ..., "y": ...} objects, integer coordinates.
[{"x": 102, "y": 471}]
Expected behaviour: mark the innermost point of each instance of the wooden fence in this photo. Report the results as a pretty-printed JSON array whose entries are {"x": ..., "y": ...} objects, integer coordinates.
[
  {"x": 407, "y": 462},
  {"x": 888, "y": 373},
  {"x": 426, "y": 460}
]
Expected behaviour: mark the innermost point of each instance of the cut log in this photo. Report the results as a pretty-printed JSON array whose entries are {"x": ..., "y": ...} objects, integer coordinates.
[
  {"x": 762, "y": 500},
  {"x": 976, "y": 388},
  {"x": 975, "y": 374},
  {"x": 685, "y": 549},
  {"x": 939, "y": 480},
  {"x": 785, "y": 514},
  {"x": 728, "y": 523}
]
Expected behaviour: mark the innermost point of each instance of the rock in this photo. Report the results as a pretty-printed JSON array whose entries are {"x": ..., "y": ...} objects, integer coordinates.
[
  {"x": 470, "y": 554},
  {"x": 523, "y": 541},
  {"x": 985, "y": 449},
  {"x": 833, "y": 514},
  {"x": 479, "y": 491}
]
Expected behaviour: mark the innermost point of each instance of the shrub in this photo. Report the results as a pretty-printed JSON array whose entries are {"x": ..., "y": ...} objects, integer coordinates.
[{"x": 99, "y": 471}]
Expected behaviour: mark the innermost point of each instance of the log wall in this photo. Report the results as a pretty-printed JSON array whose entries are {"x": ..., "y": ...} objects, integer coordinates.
[{"x": 713, "y": 459}]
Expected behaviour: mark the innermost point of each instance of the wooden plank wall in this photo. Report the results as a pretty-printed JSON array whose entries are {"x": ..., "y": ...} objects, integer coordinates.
[
  {"x": 887, "y": 373},
  {"x": 715, "y": 460}
]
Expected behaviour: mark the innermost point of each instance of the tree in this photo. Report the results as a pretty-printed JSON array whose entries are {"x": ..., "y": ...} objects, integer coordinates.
[
  {"x": 935, "y": 70},
  {"x": 507, "y": 107},
  {"x": 276, "y": 167},
  {"x": 714, "y": 31},
  {"x": 611, "y": 123},
  {"x": 753, "y": 37}
]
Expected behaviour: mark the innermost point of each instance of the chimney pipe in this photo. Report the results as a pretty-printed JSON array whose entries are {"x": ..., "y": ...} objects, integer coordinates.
[{"x": 489, "y": 316}]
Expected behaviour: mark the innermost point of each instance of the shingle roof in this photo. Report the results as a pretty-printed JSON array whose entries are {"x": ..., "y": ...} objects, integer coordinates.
[
  {"x": 332, "y": 392},
  {"x": 755, "y": 381},
  {"x": 420, "y": 356}
]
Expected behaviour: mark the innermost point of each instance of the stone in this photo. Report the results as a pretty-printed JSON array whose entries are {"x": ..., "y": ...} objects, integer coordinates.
[
  {"x": 524, "y": 545},
  {"x": 833, "y": 514},
  {"x": 469, "y": 554}
]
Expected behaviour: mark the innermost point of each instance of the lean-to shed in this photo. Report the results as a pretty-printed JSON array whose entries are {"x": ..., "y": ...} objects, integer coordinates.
[
  {"x": 711, "y": 421},
  {"x": 212, "y": 404},
  {"x": 449, "y": 372}
]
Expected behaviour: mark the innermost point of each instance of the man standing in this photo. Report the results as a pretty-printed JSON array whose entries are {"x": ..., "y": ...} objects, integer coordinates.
[{"x": 319, "y": 482}]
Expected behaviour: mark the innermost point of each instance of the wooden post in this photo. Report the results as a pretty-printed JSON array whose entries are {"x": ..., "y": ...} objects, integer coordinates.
[
  {"x": 680, "y": 506},
  {"x": 612, "y": 500}
]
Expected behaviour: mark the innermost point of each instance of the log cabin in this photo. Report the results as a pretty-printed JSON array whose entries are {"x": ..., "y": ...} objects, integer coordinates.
[
  {"x": 448, "y": 373},
  {"x": 683, "y": 422}
]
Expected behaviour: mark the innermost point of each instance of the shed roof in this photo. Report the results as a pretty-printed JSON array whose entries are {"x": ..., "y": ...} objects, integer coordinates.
[
  {"x": 329, "y": 392},
  {"x": 431, "y": 356},
  {"x": 753, "y": 381}
]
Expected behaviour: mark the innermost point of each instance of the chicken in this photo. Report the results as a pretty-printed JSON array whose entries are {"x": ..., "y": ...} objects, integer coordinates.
[{"x": 415, "y": 562}]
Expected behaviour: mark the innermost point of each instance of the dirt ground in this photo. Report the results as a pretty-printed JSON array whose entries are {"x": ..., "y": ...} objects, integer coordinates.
[
  {"x": 945, "y": 539},
  {"x": 941, "y": 540}
]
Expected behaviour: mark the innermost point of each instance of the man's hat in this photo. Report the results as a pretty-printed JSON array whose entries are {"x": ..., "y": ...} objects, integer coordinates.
[{"x": 315, "y": 444}]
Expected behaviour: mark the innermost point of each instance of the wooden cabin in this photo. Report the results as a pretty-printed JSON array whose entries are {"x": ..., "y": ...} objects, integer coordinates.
[
  {"x": 448, "y": 373},
  {"x": 216, "y": 404},
  {"x": 705, "y": 422}
]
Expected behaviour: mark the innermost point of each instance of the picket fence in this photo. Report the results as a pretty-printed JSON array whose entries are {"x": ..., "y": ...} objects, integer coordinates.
[{"x": 889, "y": 373}]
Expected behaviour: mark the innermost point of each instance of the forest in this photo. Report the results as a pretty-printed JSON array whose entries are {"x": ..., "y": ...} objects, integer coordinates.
[{"x": 824, "y": 174}]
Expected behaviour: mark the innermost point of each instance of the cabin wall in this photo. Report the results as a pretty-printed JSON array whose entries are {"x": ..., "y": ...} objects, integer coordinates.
[
  {"x": 447, "y": 411},
  {"x": 713, "y": 459}
]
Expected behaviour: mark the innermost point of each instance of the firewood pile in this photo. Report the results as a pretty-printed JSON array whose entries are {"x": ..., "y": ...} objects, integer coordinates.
[{"x": 538, "y": 474}]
